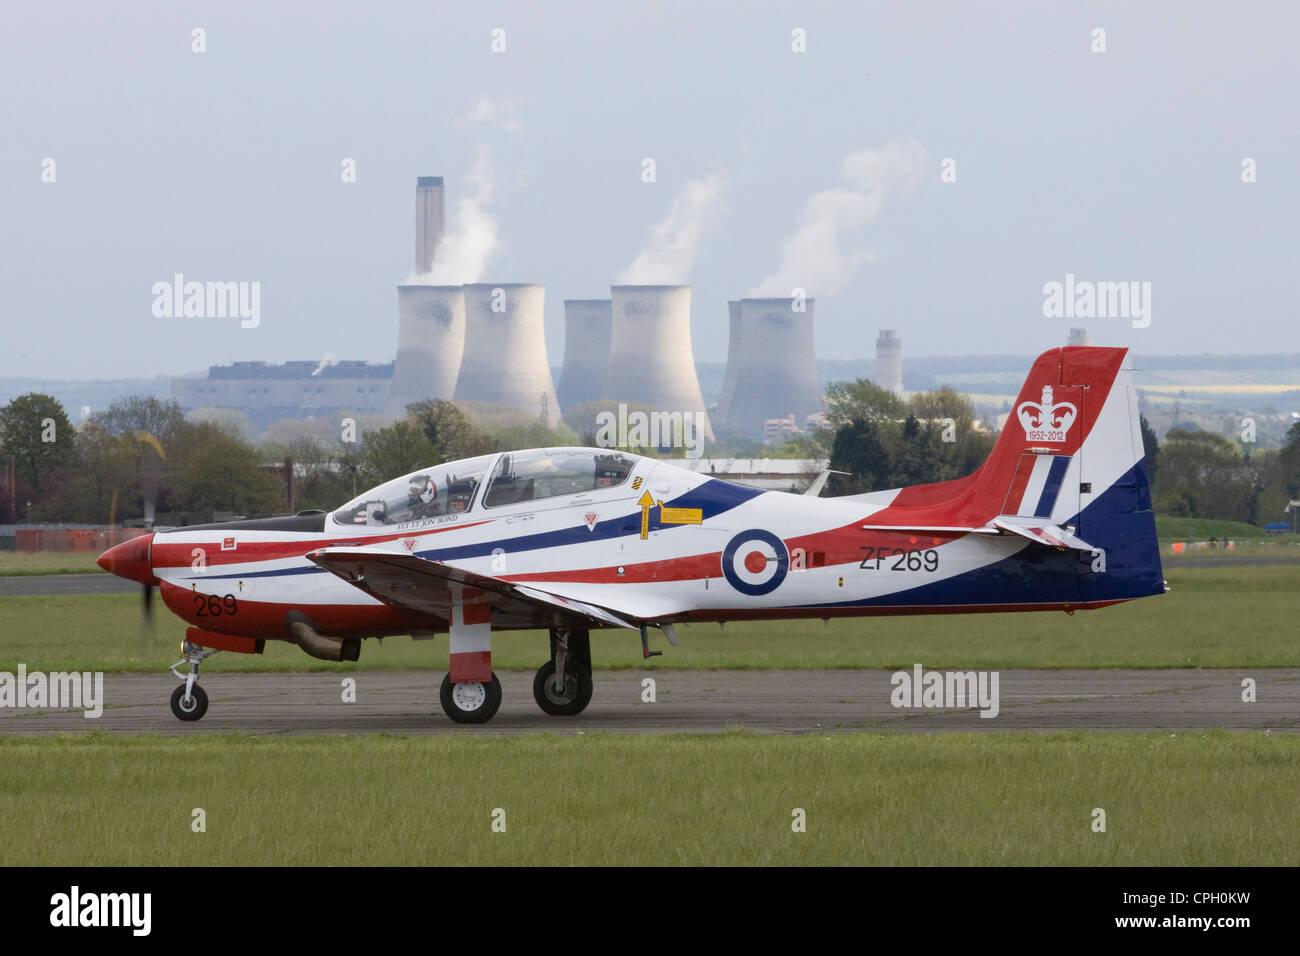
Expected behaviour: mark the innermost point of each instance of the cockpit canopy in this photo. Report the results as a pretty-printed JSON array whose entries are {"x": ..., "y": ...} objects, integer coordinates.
[{"x": 518, "y": 476}]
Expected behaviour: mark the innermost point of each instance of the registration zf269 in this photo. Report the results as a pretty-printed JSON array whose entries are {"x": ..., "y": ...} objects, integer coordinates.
[{"x": 899, "y": 559}]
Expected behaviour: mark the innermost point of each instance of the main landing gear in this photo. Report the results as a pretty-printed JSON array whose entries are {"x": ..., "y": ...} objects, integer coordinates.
[
  {"x": 563, "y": 686},
  {"x": 190, "y": 701},
  {"x": 472, "y": 702}
]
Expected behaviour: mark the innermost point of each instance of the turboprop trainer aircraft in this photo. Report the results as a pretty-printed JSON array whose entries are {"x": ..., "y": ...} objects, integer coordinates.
[{"x": 575, "y": 539}]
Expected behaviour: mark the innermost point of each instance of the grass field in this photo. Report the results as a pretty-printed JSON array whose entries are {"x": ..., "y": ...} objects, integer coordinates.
[
  {"x": 46, "y": 562},
  {"x": 597, "y": 799},
  {"x": 1213, "y": 617}
]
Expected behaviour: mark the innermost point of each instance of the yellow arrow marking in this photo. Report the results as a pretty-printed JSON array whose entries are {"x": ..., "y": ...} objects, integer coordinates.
[{"x": 646, "y": 502}]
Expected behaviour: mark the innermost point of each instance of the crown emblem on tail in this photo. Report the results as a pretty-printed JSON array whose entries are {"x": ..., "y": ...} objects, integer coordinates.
[{"x": 1046, "y": 421}]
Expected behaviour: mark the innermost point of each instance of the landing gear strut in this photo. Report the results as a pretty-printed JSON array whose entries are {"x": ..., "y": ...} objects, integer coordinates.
[
  {"x": 563, "y": 685},
  {"x": 190, "y": 701}
]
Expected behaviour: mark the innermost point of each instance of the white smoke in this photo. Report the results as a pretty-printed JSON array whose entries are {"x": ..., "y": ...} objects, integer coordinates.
[
  {"x": 818, "y": 256},
  {"x": 668, "y": 254},
  {"x": 325, "y": 363},
  {"x": 465, "y": 249},
  {"x": 497, "y": 112}
]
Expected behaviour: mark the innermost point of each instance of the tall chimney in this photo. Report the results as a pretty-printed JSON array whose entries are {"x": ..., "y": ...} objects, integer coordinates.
[
  {"x": 1079, "y": 337},
  {"x": 505, "y": 350},
  {"x": 586, "y": 351},
  {"x": 429, "y": 218},
  {"x": 889, "y": 361},
  {"x": 771, "y": 366},
  {"x": 651, "y": 363},
  {"x": 430, "y": 342}
]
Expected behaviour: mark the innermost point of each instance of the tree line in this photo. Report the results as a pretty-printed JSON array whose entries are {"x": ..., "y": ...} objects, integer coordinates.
[{"x": 141, "y": 459}]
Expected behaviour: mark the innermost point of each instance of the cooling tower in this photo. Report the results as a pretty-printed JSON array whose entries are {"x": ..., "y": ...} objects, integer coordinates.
[
  {"x": 428, "y": 221},
  {"x": 771, "y": 366},
  {"x": 586, "y": 351},
  {"x": 733, "y": 365},
  {"x": 889, "y": 361},
  {"x": 651, "y": 363},
  {"x": 430, "y": 340},
  {"x": 505, "y": 350},
  {"x": 1079, "y": 337}
]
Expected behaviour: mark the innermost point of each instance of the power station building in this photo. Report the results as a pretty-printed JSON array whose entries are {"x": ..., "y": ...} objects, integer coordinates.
[
  {"x": 651, "y": 363},
  {"x": 504, "y": 361},
  {"x": 889, "y": 361},
  {"x": 771, "y": 366},
  {"x": 268, "y": 393},
  {"x": 587, "y": 324}
]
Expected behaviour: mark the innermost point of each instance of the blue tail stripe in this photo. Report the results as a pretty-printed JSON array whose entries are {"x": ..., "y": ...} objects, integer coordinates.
[{"x": 1052, "y": 487}]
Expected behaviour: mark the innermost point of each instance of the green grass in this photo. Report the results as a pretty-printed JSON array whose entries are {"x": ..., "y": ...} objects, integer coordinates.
[
  {"x": 13, "y": 563},
  {"x": 1170, "y": 529},
  {"x": 601, "y": 799},
  {"x": 1213, "y": 617}
]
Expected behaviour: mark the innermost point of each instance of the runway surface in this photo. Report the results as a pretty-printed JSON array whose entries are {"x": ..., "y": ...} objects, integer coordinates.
[
  {"x": 47, "y": 585},
  {"x": 780, "y": 702}
]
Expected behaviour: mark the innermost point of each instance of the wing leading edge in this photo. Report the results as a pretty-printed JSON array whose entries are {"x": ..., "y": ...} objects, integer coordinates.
[{"x": 433, "y": 588}]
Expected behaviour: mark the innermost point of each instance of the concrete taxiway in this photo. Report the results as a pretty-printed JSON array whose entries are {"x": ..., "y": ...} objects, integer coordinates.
[{"x": 779, "y": 702}]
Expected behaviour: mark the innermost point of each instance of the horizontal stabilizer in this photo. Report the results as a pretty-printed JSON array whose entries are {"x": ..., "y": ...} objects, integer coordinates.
[{"x": 1051, "y": 535}]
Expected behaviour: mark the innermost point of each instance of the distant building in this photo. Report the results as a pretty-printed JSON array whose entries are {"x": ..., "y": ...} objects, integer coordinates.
[
  {"x": 268, "y": 393},
  {"x": 889, "y": 361},
  {"x": 779, "y": 428}
]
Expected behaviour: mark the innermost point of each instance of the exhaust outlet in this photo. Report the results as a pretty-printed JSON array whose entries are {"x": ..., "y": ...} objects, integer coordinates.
[{"x": 322, "y": 647}]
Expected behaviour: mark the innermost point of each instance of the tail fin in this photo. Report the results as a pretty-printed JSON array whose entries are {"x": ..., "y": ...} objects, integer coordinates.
[{"x": 1070, "y": 456}]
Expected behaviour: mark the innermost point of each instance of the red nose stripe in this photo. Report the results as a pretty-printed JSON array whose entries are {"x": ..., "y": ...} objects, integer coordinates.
[{"x": 130, "y": 560}]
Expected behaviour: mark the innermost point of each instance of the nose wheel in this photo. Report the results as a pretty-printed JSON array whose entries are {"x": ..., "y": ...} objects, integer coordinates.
[
  {"x": 190, "y": 701},
  {"x": 563, "y": 686}
]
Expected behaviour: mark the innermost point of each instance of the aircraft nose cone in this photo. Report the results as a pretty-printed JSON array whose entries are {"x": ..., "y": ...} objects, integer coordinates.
[{"x": 130, "y": 559}]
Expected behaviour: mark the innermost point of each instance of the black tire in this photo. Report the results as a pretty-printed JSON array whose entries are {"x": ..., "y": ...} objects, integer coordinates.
[
  {"x": 472, "y": 707},
  {"x": 197, "y": 707},
  {"x": 577, "y": 689}
]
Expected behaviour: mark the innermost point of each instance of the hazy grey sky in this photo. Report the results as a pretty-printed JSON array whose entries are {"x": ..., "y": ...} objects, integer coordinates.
[{"x": 225, "y": 165}]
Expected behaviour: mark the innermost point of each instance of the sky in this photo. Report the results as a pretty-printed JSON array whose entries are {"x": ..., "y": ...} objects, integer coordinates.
[{"x": 926, "y": 167}]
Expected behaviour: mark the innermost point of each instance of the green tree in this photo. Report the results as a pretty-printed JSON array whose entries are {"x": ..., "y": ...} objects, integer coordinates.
[
  {"x": 448, "y": 431},
  {"x": 1150, "y": 448},
  {"x": 1205, "y": 473},
  {"x": 218, "y": 471},
  {"x": 395, "y": 451},
  {"x": 861, "y": 400},
  {"x": 35, "y": 429}
]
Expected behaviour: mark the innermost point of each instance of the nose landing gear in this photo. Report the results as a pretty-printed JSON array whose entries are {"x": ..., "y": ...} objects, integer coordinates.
[{"x": 190, "y": 701}]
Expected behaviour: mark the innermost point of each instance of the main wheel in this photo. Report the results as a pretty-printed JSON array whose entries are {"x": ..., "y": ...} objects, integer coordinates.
[
  {"x": 191, "y": 709},
  {"x": 574, "y": 697},
  {"x": 471, "y": 703}
]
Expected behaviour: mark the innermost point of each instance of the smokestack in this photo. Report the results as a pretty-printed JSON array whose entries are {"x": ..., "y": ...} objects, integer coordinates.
[
  {"x": 889, "y": 361},
  {"x": 1079, "y": 337},
  {"x": 771, "y": 366},
  {"x": 651, "y": 362},
  {"x": 430, "y": 341},
  {"x": 429, "y": 220},
  {"x": 586, "y": 351},
  {"x": 505, "y": 350}
]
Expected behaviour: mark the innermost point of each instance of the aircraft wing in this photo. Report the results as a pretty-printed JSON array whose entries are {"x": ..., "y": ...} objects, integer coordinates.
[{"x": 431, "y": 587}]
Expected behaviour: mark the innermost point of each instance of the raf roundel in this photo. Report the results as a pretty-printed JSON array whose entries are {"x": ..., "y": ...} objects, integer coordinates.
[{"x": 755, "y": 562}]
